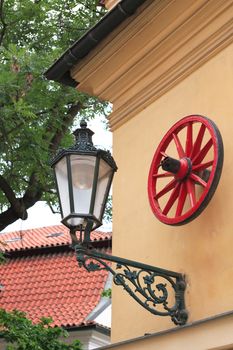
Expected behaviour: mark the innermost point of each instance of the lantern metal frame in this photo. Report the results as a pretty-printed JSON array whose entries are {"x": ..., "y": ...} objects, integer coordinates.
[
  {"x": 150, "y": 286},
  {"x": 84, "y": 147}
]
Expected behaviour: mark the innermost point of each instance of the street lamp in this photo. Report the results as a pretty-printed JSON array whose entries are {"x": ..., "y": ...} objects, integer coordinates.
[{"x": 83, "y": 176}]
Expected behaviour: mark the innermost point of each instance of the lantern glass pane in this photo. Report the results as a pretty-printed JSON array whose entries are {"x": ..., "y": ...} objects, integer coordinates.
[
  {"x": 63, "y": 187},
  {"x": 82, "y": 169},
  {"x": 105, "y": 173}
]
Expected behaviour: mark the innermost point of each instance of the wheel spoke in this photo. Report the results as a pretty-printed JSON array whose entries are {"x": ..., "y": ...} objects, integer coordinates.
[
  {"x": 197, "y": 144},
  {"x": 182, "y": 198},
  {"x": 163, "y": 154},
  {"x": 202, "y": 166},
  {"x": 198, "y": 179},
  {"x": 167, "y": 174},
  {"x": 203, "y": 152},
  {"x": 189, "y": 139},
  {"x": 166, "y": 189},
  {"x": 191, "y": 192},
  {"x": 173, "y": 197},
  {"x": 179, "y": 147}
]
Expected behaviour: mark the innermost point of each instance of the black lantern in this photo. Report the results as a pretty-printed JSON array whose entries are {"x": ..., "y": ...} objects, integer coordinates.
[{"x": 83, "y": 176}]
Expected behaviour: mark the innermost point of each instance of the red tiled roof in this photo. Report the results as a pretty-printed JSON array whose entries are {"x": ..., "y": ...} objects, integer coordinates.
[
  {"x": 42, "y": 237},
  {"x": 50, "y": 285}
]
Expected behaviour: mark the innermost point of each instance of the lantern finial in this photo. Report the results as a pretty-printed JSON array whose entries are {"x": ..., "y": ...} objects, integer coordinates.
[
  {"x": 83, "y": 136},
  {"x": 83, "y": 124}
]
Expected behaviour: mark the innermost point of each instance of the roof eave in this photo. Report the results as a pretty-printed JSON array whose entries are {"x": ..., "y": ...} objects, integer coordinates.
[
  {"x": 56, "y": 248},
  {"x": 92, "y": 325},
  {"x": 60, "y": 70}
]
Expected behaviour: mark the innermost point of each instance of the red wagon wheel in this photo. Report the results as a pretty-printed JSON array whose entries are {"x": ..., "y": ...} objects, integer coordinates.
[{"x": 185, "y": 170}]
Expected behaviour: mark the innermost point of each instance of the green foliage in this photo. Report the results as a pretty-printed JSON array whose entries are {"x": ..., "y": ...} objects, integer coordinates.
[
  {"x": 2, "y": 257},
  {"x": 36, "y": 115},
  {"x": 107, "y": 293},
  {"x": 108, "y": 210},
  {"x": 21, "y": 334}
]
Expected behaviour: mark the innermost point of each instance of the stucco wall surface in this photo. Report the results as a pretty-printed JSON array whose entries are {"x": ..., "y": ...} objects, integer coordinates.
[
  {"x": 211, "y": 334},
  {"x": 202, "y": 249}
]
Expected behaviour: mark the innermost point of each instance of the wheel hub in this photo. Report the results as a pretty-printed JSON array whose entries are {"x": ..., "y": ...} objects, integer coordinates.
[{"x": 180, "y": 168}]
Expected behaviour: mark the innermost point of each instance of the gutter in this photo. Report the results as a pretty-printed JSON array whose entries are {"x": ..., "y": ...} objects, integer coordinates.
[
  {"x": 84, "y": 327},
  {"x": 60, "y": 70}
]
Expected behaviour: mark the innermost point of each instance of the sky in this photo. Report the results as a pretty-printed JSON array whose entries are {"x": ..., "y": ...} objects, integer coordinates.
[{"x": 40, "y": 214}]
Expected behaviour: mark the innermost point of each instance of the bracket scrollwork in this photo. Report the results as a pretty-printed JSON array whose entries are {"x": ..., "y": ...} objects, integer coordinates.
[{"x": 150, "y": 286}]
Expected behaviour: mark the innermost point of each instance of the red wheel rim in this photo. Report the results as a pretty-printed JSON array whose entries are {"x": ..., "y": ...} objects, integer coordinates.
[{"x": 195, "y": 144}]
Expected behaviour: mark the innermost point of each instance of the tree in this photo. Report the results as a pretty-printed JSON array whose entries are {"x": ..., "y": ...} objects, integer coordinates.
[
  {"x": 21, "y": 334},
  {"x": 2, "y": 256},
  {"x": 36, "y": 115}
]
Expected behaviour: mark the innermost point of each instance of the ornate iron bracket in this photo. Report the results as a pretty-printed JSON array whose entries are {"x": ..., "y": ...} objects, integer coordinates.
[{"x": 150, "y": 286}]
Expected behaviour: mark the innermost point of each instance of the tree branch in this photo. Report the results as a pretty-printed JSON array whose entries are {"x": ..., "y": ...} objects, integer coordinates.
[
  {"x": 52, "y": 210},
  {"x": 7, "y": 190},
  {"x": 67, "y": 120},
  {"x": 4, "y": 25},
  {"x": 19, "y": 206},
  {"x": 7, "y": 217},
  {"x": 33, "y": 193}
]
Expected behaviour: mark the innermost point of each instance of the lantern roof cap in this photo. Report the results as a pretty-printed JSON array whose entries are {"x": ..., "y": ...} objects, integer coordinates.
[{"x": 84, "y": 146}]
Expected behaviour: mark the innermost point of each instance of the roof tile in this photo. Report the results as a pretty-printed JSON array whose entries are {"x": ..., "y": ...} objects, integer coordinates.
[
  {"x": 50, "y": 236},
  {"x": 50, "y": 284}
]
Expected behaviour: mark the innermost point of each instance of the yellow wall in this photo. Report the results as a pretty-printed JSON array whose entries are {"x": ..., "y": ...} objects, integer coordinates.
[
  {"x": 168, "y": 60},
  {"x": 216, "y": 334},
  {"x": 201, "y": 249}
]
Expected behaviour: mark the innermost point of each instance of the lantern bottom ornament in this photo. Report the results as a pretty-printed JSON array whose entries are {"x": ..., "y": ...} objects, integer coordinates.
[{"x": 185, "y": 170}]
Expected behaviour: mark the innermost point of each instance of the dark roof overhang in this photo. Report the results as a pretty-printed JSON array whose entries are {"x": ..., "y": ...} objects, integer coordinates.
[
  {"x": 60, "y": 70},
  {"x": 89, "y": 325}
]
